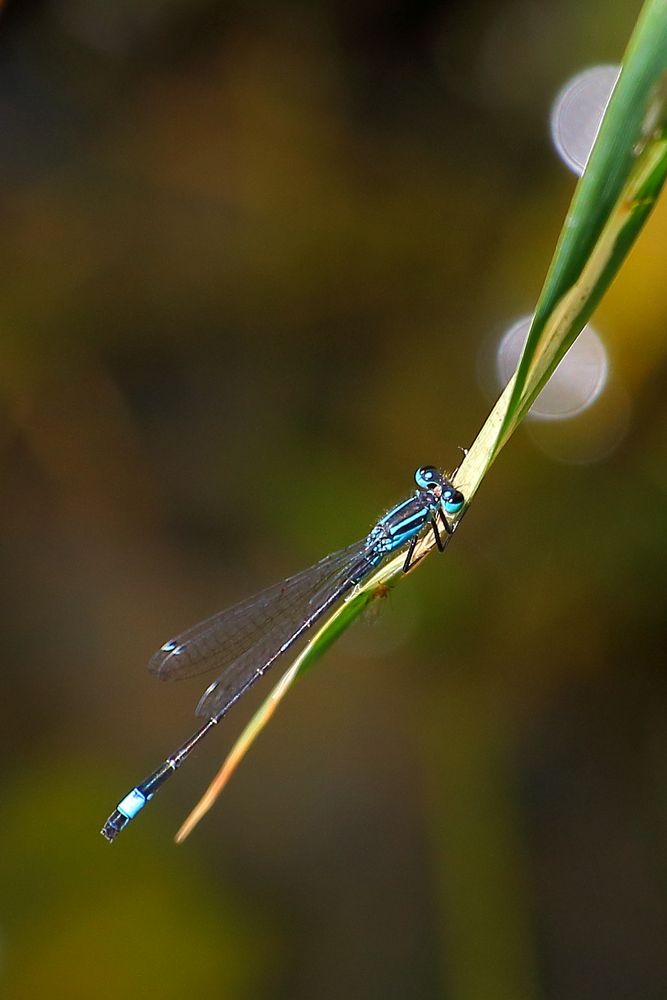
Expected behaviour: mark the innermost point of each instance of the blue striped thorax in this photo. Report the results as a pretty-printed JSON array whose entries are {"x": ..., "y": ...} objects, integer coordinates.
[{"x": 403, "y": 522}]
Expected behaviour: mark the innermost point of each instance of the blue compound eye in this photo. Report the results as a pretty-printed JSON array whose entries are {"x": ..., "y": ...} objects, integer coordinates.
[
  {"x": 428, "y": 476},
  {"x": 452, "y": 501}
]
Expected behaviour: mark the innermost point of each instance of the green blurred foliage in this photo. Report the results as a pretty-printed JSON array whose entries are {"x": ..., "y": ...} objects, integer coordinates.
[
  {"x": 251, "y": 257},
  {"x": 123, "y": 923}
]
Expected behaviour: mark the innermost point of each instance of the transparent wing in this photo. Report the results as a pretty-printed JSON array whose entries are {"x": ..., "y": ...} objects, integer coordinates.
[{"x": 241, "y": 638}]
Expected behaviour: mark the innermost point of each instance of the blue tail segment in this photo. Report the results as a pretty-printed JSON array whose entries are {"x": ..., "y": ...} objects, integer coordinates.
[{"x": 126, "y": 810}]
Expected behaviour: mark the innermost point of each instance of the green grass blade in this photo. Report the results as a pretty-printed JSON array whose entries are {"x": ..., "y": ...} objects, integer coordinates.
[{"x": 613, "y": 199}]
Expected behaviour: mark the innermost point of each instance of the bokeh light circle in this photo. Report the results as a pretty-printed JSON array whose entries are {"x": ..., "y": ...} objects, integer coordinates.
[
  {"x": 575, "y": 385},
  {"x": 577, "y": 112}
]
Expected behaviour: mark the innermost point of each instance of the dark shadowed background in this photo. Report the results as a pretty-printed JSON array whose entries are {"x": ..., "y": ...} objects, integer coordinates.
[{"x": 252, "y": 259}]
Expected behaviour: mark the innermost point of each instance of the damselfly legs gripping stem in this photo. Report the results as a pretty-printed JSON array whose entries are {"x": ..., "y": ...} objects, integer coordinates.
[{"x": 244, "y": 641}]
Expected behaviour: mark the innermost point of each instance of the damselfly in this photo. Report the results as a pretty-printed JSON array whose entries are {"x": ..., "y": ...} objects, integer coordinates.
[{"x": 244, "y": 641}]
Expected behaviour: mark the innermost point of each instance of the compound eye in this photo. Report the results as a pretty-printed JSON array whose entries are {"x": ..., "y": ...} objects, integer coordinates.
[
  {"x": 452, "y": 501},
  {"x": 428, "y": 476}
]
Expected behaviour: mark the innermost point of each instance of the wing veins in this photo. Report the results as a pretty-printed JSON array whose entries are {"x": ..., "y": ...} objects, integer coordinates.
[{"x": 261, "y": 622}]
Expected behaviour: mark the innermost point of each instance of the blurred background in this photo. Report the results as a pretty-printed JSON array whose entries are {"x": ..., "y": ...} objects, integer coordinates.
[{"x": 256, "y": 259}]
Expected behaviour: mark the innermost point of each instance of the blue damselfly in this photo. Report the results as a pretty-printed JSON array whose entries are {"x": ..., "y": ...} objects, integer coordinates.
[{"x": 244, "y": 641}]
